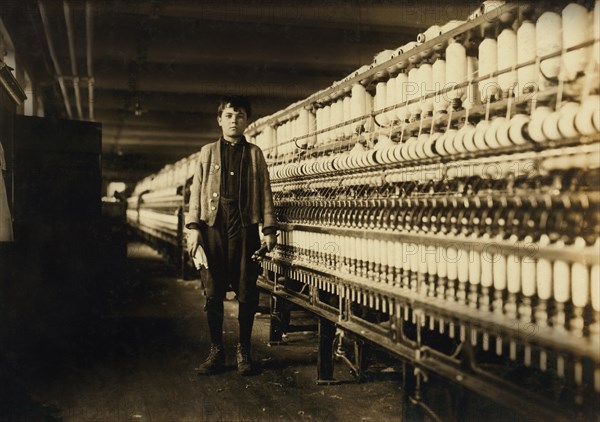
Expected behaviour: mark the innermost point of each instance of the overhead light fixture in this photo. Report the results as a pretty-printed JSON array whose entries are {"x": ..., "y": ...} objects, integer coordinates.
[{"x": 137, "y": 110}]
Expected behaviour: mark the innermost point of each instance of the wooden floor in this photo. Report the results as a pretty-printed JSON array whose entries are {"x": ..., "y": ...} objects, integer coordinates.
[{"x": 136, "y": 362}]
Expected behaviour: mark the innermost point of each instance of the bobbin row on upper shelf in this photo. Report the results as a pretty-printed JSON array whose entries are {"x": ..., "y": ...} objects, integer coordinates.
[{"x": 510, "y": 52}]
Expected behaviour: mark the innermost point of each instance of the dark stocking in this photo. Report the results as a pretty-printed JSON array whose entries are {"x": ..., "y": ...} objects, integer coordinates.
[
  {"x": 214, "y": 315},
  {"x": 246, "y": 319}
]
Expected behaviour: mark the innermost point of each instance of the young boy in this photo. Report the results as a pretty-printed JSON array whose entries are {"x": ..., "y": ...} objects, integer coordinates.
[{"x": 230, "y": 196}]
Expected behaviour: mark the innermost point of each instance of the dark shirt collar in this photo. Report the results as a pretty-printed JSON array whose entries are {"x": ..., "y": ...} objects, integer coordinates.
[{"x": 242, "y": 141}]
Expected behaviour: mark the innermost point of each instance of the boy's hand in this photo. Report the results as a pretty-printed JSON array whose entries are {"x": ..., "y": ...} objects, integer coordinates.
[
  {"x": 270, "y": 241},
  {"x": 193, "y": 237}
]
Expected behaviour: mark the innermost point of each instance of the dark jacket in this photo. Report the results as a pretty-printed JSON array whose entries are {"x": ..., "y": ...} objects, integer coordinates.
[{"x": 205, "y": 190}]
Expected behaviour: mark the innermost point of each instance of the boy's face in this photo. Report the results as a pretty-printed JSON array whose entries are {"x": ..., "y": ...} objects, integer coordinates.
[{"x": 233, "y": 122}]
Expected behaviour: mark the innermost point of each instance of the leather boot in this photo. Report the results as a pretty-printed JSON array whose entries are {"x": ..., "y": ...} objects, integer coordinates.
[
  {"x": 244, "y": 360},
  {"x": 215, "y": 362}
]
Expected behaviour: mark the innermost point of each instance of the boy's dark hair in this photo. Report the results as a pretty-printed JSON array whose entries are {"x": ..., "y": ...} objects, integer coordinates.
[{"x": 235, "y": 102}]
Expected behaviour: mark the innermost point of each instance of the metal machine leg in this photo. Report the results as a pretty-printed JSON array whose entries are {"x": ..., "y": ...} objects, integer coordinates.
[
  {"x": 410, "y": 390},
  {"x": 278, "y": 321},
  {"x": 325, "y": 357},
  {"x": 361, "y": 352}
]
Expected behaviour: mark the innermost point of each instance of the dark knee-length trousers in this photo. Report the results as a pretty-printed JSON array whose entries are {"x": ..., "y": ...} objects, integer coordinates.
[{"x": 229, "y": 247}]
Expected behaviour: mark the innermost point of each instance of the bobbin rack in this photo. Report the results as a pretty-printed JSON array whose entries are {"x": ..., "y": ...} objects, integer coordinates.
[{"x": 442, "y": 203}]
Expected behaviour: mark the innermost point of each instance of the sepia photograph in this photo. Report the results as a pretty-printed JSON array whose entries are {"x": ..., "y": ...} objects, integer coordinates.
[{"x": 320, "y": 210}]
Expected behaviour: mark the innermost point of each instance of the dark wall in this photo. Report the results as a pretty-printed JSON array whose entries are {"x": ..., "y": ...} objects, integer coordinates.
[
  {"x": 52, "y": 275},
  {"x": 57, "y": 172}
]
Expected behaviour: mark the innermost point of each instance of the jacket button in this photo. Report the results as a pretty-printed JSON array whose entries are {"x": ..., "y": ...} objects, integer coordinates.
[
  {"x": 217, "y": 166},
  {"x": 215, "y": 194},
  {"x": 213, "y": 208}
]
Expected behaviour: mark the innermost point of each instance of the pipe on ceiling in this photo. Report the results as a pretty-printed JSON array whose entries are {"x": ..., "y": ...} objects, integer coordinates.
[
  {"x": 89, "y": 32},
  {"x": 59, "y": 75},
  {"x": 71, "y": 40}
]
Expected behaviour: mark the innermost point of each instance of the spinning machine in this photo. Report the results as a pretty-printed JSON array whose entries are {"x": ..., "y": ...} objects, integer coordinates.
[{"x": 442, "y": 203}]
